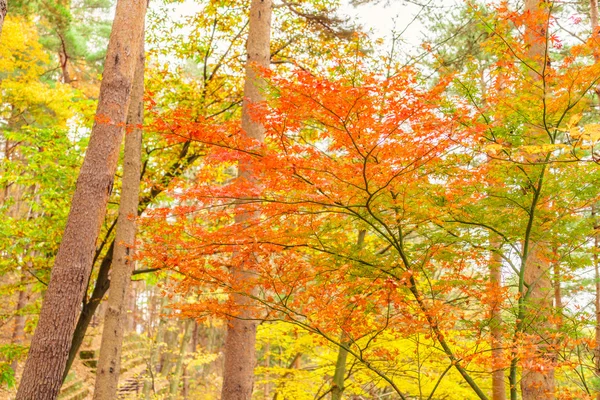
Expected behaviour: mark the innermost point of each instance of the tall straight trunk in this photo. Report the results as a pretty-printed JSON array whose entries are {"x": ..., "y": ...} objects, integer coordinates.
[
  {"x": 558, "y": 303},
  {"x": 176, "y": 376},
  {"x": 340, "y": 364},
  {"x": 18, "y": 334},
  {"x": 596, "y": 225},
  {"x": 537, "y": 384},
  {"x": 240, "y": 355},
  {"x": 167, "y": 354},
  {"x": 536, "y": 301},
  {"x": 594, "y": 17},
  {"x": 89, "y": 309},
  {"x": 3, "y": 10},
  {"x": 340, "y": 371},
  {"x": 597, "y": 286},
  {"x": 42, "y": 376},
  {"x": 109, "y": 361},
  {"x": 176, "y": 169},
  {"x": 498, "y": 386},
  {"x": 155, "y": 354}
]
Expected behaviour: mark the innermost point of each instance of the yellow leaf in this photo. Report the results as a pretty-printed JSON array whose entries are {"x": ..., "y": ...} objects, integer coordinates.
[
  {"x": 574, "y": 120},
  {"x": 492, "y": 148},
  {"x": 592, "y": 131}
]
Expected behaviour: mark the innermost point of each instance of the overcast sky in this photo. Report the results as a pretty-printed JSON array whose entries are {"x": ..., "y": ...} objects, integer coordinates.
[{"x": 381, "y": 19}]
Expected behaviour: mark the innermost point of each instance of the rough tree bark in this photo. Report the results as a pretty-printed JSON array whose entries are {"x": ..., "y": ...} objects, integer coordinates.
[
  {"x": 240, "y": 356},
  {"x": 42, "y": 376},
  {"x": 109, "y": 361},
  {"x": 102, "y": 283}
]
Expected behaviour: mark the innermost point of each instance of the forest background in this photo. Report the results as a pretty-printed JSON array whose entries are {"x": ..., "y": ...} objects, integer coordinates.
[{"x": 303, "y": 208}]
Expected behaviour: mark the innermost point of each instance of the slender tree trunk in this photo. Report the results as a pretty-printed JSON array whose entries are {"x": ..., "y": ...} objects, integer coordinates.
[
  {"x": 536, "y": 299},
  {"x": 596, "y": 260},
  {"x": 109, "y": 361},
  {"x": 3, "y": 11},
  {"x": 49, "y": 351},
  {"x": 18, "y": 334},
  {"x": 130, "y": 317},
  {"x": 594, "y": 16},
  {"x": 89, "y": 309},
  {"x": 186, "y": 383},
  {"x": 176, "y": 376},
  {"x": 595, "y": 33},
  {"x": 155, "y": 354},
  {"x": 102, "y": 281},
  {"x": 240, "y": 354},
  {"x": 167, "y": 356},
  {"x": 340, "y": 373},
  {"x": 294, "y": 364},
  {"x": 498, "y": 388},
  {"x": 537, "y": 384},
  {"x": 340, "y": 364},
  {"x": 267, "y": 385}
]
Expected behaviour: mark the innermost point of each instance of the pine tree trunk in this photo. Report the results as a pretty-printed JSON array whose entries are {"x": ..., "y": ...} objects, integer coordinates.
[
  {"x": 88, "y": 310},
  {"x": 109, "y": 361},
  {"x": 240, "y": 356},
  {"x": 498, "y": 388},
  {"x": 42, "y": 376}
]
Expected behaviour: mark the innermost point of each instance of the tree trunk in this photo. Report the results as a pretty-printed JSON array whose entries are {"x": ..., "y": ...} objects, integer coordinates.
[
  {"x": 340, "y": 365},
  {"x": 155, "y": 353},
  {"x": 498, "y": 389},
  {"x": 49, "y": 351},
  {"x": 130, "y": 318},
  {"x": 594, "y": 23},
  {"x": 89, "y": 308},
  {"x": 537, "y": 384},
  {"x": 340, "y": 373},
  {"x": 3, "y": 10},
  {"x": 176, "y": 376},
  {"x": 167, "y": 355},
  {"x": 240, "y": 355},
  {"x": 537, "y": 297},
  {"x": 109, "y": 361},
  {"x": 596, "y": 261},
  {"x": 594, "y": 16},
  {"x": 102, "y": 281},
  {"x": 18, "y": 334}
]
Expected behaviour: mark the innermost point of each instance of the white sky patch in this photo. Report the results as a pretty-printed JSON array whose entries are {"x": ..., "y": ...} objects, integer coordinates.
[{"x": 382, "y": 20}]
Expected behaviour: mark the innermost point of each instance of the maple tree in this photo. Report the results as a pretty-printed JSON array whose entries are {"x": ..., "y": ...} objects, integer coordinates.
[{"x": 321, "y": 167}]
